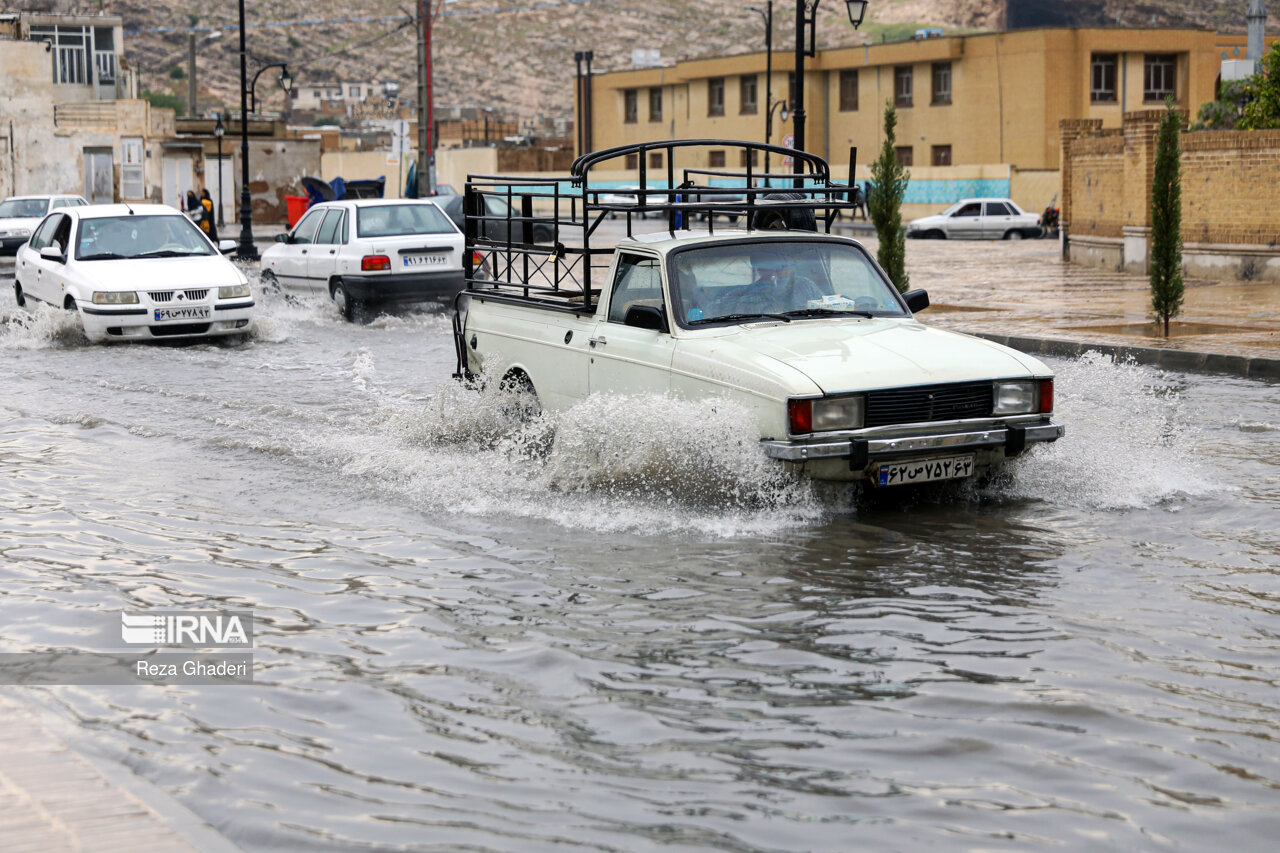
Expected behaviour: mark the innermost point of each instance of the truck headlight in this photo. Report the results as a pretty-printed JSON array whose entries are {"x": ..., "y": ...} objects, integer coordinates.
[
  {"x": 115, "y": 297},
  {"x": 233, "y": 291},
  {"x": 1017, "y": 398},
  {"x": 826, "y": 414}
]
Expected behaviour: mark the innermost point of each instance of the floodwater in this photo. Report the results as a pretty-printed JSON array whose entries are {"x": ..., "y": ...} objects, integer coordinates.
[{"x": 645, "y": 638}]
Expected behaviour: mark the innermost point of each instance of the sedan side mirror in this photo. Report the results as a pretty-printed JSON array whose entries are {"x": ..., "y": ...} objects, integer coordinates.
[
  {"x": 225, "y": 246},
  {"x": 52, "y": 253},
  {"x": 282, "y": 238},
  {"x": 646, "y": 317},
  {"x": 917, "y": 300}
]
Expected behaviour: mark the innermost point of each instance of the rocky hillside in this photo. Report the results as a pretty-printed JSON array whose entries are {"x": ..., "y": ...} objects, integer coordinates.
[{"x": 506, "y": 54}]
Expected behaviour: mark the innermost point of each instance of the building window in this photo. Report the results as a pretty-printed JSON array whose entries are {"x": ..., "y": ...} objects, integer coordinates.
[
  {"x": 902, "y": 86},
  {"x": 748, "y": 157},
  {"x": 1102, "y": 78},
  {"x": 655, "y": 159},
  {"x": 941, "y": 83},
  {"x": 1159, "y": 77},
  {"x": 655, "y": 104},
  {"x": 905, "y": 155},
  {"x": 355, "y": 91},
  {"x": 715, "y": 96},
  {"x": 717, "y": 159},
  {"x": 629, "y": 107},
  {"x": 848, "y": 90},
  {"x": 942, "y": 155},
  {"x": 70, "y": 48},
  {"x": 749, "y": 103},
  {"x": 633, "y": 161}
]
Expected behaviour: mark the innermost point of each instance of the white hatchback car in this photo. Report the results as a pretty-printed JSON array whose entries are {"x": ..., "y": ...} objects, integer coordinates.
[
  {"x": 369, "y": 251},
  {"x": 977, "y": 219},
  {"x": 134, "y": 272},
  {"x": 20, "y": 215}
]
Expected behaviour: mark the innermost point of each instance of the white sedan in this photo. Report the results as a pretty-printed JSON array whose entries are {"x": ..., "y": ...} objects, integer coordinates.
[
  {"x": 134, "y": 272},
  {"x": 20, "y": 215},
  {"x": 977, "y": 219},
  {"x": 366, "y": 252}
]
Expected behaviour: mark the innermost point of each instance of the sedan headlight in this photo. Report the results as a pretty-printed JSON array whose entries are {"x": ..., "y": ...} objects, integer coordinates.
[
  {"x": 826, "y": 414},
  {"x": 233, "y": 291},
  {"x": 1017, "y": 398},
  {"x": 115, "y": 297},
  {"x": 20, "y": 232}
]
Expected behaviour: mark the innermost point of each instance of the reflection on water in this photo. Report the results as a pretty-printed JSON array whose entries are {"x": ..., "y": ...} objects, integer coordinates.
[{"x": 473, "y": 634}]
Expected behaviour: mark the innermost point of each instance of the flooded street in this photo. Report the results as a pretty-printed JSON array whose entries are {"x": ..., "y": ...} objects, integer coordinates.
[{"x": 647, "y": 638}]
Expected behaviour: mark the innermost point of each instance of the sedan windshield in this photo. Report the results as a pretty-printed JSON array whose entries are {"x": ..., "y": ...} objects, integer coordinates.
[
  {"x": 398, "y": 220},
  {"x": 120, "y": 237},
  {"x": 785, "y": 280},
  {"x": 23, "y": 208}
]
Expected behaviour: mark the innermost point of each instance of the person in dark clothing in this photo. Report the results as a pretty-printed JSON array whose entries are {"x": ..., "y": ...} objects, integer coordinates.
[
  {"x": 208, "y": 222},
  {"x": 859, "y": 202},
  {"x": 193, "y": 205}
]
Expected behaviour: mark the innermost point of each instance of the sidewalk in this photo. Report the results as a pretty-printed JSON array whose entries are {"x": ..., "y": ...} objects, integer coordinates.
[{"x": 1023, "y": 294}]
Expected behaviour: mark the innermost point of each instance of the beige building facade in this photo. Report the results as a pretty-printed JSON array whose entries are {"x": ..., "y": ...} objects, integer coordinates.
[{"x": 977, "y": 114}]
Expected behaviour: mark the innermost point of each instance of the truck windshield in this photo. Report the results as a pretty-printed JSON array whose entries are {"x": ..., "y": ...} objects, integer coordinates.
[{"x": 793, "y": 279}]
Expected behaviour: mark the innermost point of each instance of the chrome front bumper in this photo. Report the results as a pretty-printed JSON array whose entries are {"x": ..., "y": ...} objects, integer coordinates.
[{"x": 1013, "y": 437}]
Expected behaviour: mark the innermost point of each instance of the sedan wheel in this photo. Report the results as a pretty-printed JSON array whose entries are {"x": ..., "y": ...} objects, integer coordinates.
[
  {"x": 17, "y": 295},
  {"x": 1013, "y": 235},
  {"x": 347, "y": 306},
  {"x": 269, "y": 281}
]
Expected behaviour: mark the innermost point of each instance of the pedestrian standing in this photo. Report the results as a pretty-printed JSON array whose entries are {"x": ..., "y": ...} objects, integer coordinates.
[
  {"x": 208, "y": 224},
  {"x": 859, "y": 203},
  {"x": 193, "y": 206}
]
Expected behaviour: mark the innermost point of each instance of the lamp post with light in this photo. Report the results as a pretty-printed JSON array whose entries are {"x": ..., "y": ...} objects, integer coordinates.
[
  {"x": 219, "y": 131},
  {"x": 783, "y": 115},
  {"x": 807, "y": 15},
  {"x": 767, "y": 14}
]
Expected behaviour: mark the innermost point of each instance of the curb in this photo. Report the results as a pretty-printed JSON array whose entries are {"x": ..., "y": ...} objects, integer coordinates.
[{"x": 1250, "y": 367}]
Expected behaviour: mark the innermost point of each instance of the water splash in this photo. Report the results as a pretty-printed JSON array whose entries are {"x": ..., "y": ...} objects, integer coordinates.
[{"x": 40, "y": 326}]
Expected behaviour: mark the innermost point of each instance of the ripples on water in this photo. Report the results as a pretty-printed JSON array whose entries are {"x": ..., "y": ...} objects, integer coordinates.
[{"x": 467, "y": 640}]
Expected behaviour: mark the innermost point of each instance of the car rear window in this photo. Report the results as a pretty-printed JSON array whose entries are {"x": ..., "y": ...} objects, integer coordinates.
[{"x": 397, "y": 220}]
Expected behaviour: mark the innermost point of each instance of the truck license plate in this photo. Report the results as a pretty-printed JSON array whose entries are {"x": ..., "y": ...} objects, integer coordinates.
[
  {"x": 923, "y": 470},
  {"x": 189, "y": 312},
  {"x": 422, "y": 260}
]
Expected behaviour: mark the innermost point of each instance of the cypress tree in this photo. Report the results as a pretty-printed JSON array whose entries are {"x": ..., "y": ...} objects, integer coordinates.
[
  {"x": 889, "y": 186},
  {"x": 1166, "y": 221}
]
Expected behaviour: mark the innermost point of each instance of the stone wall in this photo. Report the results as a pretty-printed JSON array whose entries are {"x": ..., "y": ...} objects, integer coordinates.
[{"x": 1230, "y": 198}]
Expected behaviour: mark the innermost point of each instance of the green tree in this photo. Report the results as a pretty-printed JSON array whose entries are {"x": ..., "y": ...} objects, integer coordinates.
[
  {"x": 164, "y": 99},
  {"x": 176, "y": 72},
  {"x": 888, "y": 188},
  {"x": 1166, "y": 221},
  {"x": 1262, "y": 112}
]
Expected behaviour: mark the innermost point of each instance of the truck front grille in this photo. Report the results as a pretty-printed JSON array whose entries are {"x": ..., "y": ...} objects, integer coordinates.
[{"x": 927, "y": 403}]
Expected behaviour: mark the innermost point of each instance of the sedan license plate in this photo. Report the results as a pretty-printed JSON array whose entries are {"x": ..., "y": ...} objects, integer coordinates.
[
  {"x": 923, "y": 470},
  {"x": 187, "y": 313},
  {"x": 423, "y": 260}
]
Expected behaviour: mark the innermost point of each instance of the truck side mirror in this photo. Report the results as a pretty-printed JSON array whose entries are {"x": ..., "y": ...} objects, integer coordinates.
[
  {"x": 646, "y": 317},
  {"x": 917, "y": 300}
]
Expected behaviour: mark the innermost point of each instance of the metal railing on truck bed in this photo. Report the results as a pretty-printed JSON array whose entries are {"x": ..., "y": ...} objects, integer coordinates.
[{"x": 518, "y": 249}]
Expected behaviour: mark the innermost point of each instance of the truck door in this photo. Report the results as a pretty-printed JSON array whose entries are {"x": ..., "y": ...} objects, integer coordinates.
[{"x": 627, "y": 359}]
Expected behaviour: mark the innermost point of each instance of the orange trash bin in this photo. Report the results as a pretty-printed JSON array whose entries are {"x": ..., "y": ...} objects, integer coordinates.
[{"x": 295, "y": 206}]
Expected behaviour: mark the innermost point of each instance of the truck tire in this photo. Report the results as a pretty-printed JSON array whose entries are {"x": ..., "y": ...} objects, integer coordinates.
[
  {"x": 786, "y": 219},
  {"x": 520, "y": 397}
]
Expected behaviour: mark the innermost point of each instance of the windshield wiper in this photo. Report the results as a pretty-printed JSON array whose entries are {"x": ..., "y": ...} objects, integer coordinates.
[
  {"x": 167, "y": 253},
  {"x": 103, "y": 256},
  {"x": 826, "y": 312},
  {"x": 783, "y": 317}
]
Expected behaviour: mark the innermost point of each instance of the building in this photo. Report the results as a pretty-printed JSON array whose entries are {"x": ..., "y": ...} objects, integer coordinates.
[{"x": 977, "y": 114}]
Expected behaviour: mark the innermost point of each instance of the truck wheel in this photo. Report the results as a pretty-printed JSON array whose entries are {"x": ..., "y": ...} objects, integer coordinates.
[
  {"x": 520, "y": 399},
  {"x": 348, "y": 307},
  {"x": 17, "y": 295},
  {"x": 786, "y": 219}
]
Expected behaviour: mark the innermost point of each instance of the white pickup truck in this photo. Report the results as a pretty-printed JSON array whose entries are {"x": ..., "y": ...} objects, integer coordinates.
[{"x": 802, "y": 328}]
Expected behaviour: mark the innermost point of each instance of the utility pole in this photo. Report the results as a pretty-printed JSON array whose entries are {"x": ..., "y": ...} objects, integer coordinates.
[
  {"x": 426, "y": 138},
  {"x": 191, "y": 75},
  {"x": 1257, "y": 44},
  {"x": 767, "y": 14}
]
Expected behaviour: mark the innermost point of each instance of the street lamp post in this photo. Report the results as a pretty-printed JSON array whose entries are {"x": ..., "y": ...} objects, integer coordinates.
[
  {"x": 219, "y": 131},
  {"x": 767, "y": 14},
  {"x": 246, "y": 250},
  {"x": 807, "y": 15},
  {"x": 783, "y": 115}
]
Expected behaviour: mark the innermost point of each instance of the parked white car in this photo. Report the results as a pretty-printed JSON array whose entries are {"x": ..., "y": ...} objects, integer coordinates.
[
  {"x": 367, "y": 252},
  {"x": 133, "y": 272},
  {"x": 20, "y": 215},
  {"x": 978, "y": 219}
]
